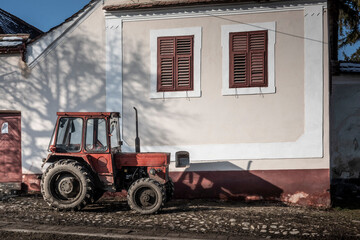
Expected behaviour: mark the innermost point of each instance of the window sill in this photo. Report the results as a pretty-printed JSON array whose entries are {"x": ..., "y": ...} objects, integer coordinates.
[
  {"x": 250, "y": 90},
  {"x": 176, "y": 94}
]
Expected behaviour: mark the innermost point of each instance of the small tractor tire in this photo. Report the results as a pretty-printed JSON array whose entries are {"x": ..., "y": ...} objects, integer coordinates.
[
  {"x": 146, "y": 196},
  {"x": 67, "y": 185},
  {"x": 170, "y": 189}
]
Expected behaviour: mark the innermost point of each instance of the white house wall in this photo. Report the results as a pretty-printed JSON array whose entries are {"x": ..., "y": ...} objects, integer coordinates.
[{"x": 287, "y": 129}]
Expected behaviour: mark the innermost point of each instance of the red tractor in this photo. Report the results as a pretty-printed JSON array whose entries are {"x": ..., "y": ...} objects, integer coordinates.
[{"x": 86, "y": 161}]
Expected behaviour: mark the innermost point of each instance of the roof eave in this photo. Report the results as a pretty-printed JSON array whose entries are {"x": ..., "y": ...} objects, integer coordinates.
[
  {"x": 179, "y": 3},
  {"x": 13, "y": 43}
]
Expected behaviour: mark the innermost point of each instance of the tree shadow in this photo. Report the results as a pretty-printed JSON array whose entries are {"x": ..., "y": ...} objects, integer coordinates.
[
  {"x": 237, "y": 184},
  {"x": 66, "y": 79},
  {"x": 153, "y": 113}
]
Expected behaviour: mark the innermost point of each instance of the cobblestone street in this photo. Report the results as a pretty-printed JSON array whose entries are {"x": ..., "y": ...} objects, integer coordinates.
[{"x": 196, "y": 219}]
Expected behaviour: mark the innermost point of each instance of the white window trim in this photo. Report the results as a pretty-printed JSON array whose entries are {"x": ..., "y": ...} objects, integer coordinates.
[
  {"x": 225, "y": 33},
  {"x": 174, "y": 32}
]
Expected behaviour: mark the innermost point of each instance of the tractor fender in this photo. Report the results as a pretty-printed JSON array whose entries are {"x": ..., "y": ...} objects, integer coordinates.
[{"x": 51, "y": 158}]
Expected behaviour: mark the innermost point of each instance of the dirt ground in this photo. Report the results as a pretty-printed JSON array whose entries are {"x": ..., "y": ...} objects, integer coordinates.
[{"x": 29, "y": 217}]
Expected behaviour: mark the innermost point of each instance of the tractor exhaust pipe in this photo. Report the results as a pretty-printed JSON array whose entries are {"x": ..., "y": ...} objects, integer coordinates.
[{"x": 137, "y": 139}]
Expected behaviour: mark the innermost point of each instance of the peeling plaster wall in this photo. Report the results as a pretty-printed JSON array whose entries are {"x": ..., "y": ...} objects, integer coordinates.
[{"x": 345, "y": 128}]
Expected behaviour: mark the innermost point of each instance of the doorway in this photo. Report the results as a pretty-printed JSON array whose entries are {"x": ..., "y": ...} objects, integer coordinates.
[{"x": 10, "y": 150}]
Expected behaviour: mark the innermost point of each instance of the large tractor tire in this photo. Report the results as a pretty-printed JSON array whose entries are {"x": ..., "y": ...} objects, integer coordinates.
[
  {"x": 170, "y": 189},
  {"x": 67, "y": 185},
  {"x": 146, "y": 196}
]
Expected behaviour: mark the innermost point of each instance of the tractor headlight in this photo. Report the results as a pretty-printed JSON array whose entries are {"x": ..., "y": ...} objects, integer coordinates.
[{"x": 152, "y": 171}]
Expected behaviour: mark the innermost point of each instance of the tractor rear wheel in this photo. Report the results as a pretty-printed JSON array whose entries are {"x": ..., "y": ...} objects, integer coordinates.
[
  {"x": 146, "y": 196},
  {"x": 67, "y": 185}
]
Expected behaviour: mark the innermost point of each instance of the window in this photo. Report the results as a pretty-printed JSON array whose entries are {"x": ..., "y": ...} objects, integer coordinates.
[
  {"x": 175, "y": 63},
  {"x": 69, "y": 134},
  {"x": 5, "y": 128},
  {"x": 248, "y": 51},
  {"x": 248, "y": 58},
  {"x": 114, "y": 133},
  {"x": 96, "y": 135}
]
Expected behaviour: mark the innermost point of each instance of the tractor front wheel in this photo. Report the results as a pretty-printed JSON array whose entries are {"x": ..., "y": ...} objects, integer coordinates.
[
  {"x": 146, "y": 196},
  {"x": 67, "y": 185}
]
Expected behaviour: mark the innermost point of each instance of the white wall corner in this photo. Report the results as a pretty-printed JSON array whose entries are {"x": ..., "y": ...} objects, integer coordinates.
[{"x": 114, "y": 65}]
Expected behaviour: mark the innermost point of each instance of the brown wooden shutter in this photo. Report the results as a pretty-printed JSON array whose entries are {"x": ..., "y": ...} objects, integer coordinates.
[
  {"x": 257, "y": 49},
  {"x": 166, "y": 68},
  {"x": 175, "y": 63},
  {"x": 184, "y": 65},
  {"x": 248, "y": 51},
  {"x": 238, "y": 60}
]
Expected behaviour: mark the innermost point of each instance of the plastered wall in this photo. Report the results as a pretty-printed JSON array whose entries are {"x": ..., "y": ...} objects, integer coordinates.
[
  {"x": 214, "y": 118},
  {"x": 70, "y": 77}
]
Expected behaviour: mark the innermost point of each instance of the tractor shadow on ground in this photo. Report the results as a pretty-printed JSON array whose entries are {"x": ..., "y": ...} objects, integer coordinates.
[
  {"x": 198, "y": 205},
  {"x": 107, "y": 206}
]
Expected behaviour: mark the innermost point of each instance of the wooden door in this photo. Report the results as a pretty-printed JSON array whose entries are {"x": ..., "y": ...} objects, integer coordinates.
[{"x": 10, "y": 148}]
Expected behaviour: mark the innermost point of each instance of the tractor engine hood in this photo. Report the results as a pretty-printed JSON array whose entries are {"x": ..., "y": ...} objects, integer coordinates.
[{"x": 142, "y": 159}]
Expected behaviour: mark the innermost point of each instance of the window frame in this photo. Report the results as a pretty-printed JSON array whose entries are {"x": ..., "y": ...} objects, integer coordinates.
[
  {"x": 248, "y": 63},
  {"x": 227, "y": 89},
  {"x": 175, "y": 32},
  {"x": 106, "y": 136},
  {"x": 81, "y": 135},
  {"x": 175, "y": 66}
]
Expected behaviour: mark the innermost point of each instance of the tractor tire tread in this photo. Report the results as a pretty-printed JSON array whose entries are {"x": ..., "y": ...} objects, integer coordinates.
[
  {"x": 145, "y": 181},
  {"x": 88, "y": 180}
]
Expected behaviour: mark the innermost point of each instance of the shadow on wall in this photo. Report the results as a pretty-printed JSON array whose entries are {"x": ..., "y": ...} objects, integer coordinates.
[
  {"x": 156, "y": 128},
  {"x": 69, "y": 78},
  {"x": 345, "y": 145},
  {"x": 156, "y": 117},
  {"x": 235, "y": 184}
]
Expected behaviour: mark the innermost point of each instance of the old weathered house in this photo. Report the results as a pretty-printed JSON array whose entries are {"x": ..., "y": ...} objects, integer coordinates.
[{"x": 243, "y": 86}]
